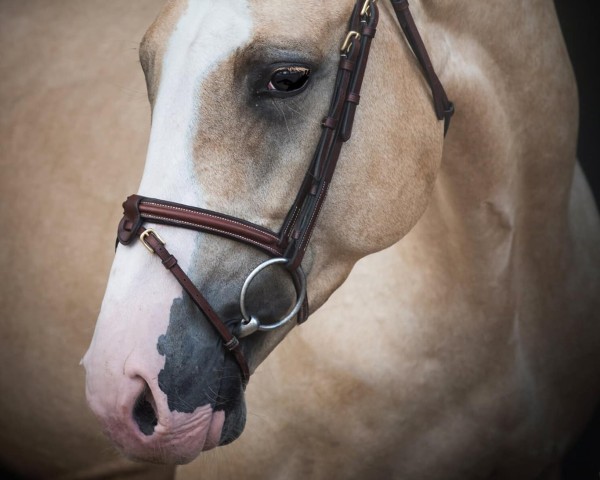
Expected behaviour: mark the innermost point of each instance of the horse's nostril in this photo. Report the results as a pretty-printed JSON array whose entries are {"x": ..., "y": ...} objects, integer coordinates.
[{"x": 144, "y": 413}]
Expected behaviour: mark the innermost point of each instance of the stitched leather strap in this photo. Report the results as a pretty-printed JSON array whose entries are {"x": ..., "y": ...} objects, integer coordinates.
[
  {"x": 230, "y": 342},
  {"x": 304, "y": 213},
  {"x": 138, "y": 209}
]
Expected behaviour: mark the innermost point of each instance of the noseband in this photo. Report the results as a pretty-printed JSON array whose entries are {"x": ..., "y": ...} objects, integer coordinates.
[{"x": 287, "y": 247}]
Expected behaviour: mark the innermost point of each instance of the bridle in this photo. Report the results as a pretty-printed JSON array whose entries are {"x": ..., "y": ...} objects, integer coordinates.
[{"x": 289, "y": 245}]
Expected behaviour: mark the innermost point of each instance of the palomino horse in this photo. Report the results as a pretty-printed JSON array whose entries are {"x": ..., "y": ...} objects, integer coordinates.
[{"x": 467, "y": 350}]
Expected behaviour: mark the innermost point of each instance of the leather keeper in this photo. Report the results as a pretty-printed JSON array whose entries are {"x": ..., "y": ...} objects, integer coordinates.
[
  {"x": 353, "y": 98},
  {"x": 170, "y": 262},
  {"x": 368, "y": 31},
  {"x": 330, "y": 123},
  {"x": 232, "y": 344},
  {"x": 347, "y": 65}
]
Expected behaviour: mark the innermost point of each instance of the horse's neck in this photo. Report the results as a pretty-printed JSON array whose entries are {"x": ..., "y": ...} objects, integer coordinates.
[{"x": 510, "y": 153}]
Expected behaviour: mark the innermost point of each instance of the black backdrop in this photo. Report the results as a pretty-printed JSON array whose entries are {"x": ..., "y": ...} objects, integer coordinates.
[{"x": 580, "y": 23}]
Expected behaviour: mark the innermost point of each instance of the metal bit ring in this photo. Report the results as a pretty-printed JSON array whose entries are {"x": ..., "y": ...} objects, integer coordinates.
[{"x": 251, "y": 324}]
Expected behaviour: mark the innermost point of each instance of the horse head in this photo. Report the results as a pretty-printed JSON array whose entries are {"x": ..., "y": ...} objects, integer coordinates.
[{"x": 239, "y": 90}]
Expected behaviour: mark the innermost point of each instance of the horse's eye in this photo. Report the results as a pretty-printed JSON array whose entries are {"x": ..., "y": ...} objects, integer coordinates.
[{"x": 288, "y": 80}]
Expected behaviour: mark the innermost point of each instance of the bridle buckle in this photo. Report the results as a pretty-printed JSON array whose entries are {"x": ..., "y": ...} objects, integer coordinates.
[
  {"x": 348, "y": 41},
  {"x": 148, "y": 232},
  {"x": 366, "y": 10}
]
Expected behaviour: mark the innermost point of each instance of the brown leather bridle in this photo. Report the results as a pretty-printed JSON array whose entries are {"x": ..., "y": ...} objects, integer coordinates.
[{"x": 289, "y": 245}]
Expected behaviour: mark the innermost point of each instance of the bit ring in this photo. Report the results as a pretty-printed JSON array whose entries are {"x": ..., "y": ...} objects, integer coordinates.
[{"x": 252, "y": 324}]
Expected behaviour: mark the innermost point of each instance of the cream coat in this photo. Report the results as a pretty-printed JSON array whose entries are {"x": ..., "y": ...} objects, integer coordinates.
[{"x": 471, "y": 354}]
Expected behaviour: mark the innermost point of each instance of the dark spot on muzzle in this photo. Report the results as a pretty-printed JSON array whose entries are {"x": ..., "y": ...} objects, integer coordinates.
[{"x": 198, "y": 369}]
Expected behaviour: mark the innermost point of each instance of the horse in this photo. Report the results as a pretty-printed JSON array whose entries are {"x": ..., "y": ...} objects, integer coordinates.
[{"x": 465, "y": 342}]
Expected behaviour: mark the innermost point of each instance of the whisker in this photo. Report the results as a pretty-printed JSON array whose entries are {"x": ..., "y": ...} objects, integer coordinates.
[
  {"x": 284, "y": 117},
  {"x": 295, "y": 111}
]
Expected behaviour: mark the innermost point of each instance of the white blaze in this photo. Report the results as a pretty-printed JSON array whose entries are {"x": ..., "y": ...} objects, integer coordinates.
[
  {"x": 206, "y": 34},
  {"x": 137, "y": 303}
]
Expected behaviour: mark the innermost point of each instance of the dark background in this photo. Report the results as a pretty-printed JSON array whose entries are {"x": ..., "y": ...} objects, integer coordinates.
[{"x": 580, "y": 24}]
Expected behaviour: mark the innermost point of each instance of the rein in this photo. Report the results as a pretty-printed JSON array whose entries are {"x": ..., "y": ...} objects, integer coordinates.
[{"x": 289, "y": 245}]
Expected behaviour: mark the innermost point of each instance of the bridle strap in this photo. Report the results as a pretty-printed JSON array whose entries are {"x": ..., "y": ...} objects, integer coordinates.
[
  {"x": 444, "y": 108},
  {"x": 292, "y": 240},
  {"x": 138, "y": 209},
  {"x": 169, "y": 261},
  {"x": 337, "y": 129}
]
